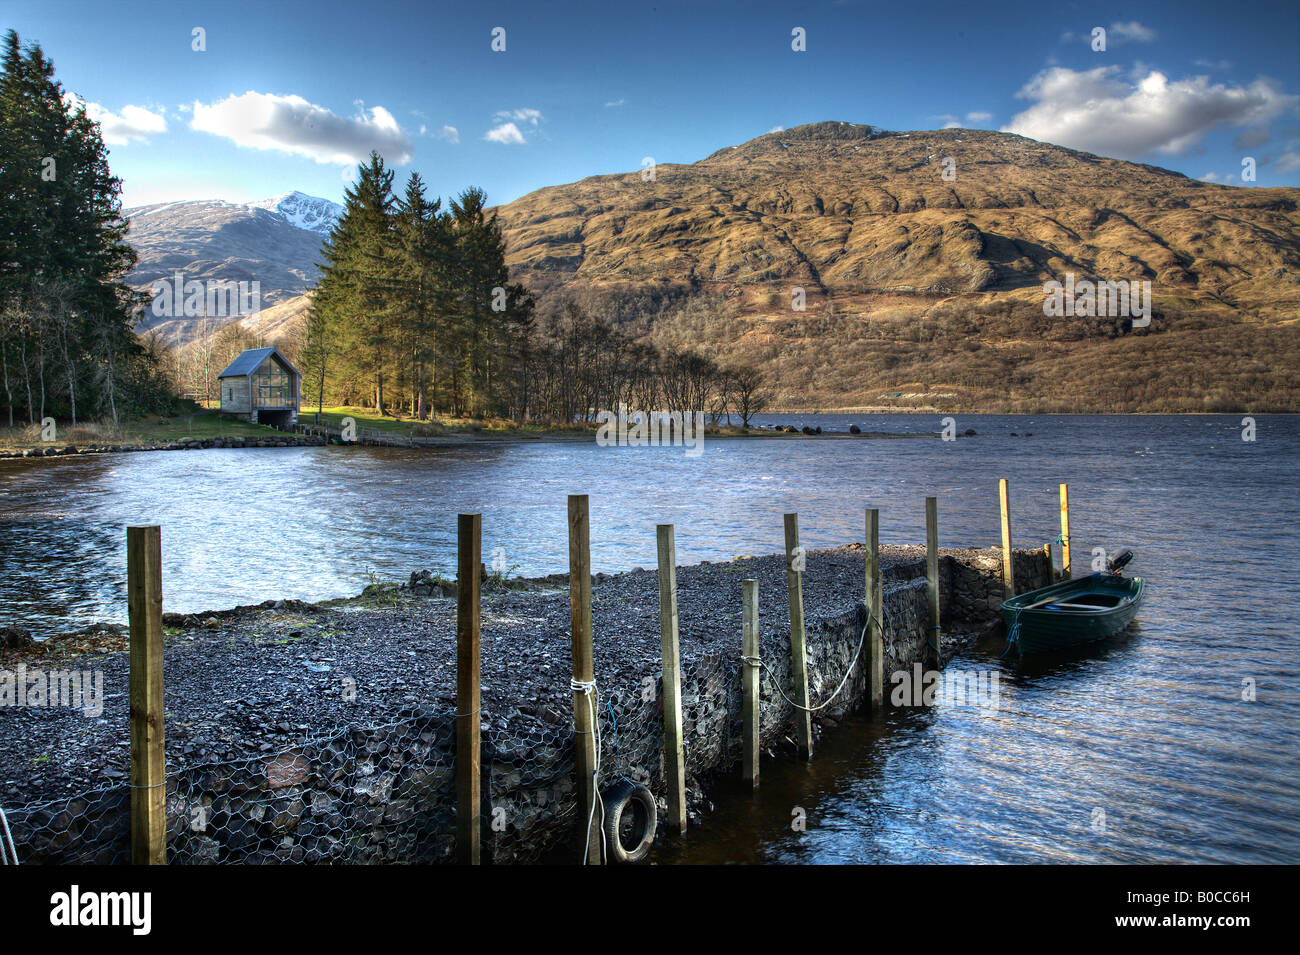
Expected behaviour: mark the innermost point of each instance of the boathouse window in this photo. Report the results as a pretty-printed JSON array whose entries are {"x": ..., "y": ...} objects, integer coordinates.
[{"x": 271, "y": 385}]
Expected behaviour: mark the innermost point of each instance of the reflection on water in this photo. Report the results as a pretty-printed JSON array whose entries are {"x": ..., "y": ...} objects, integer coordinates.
[{"x": 1148, "y": 729}]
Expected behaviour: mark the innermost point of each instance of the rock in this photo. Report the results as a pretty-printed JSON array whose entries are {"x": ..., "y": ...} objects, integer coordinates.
[
  {"x": 854, "y": 429},
  {"x": 969, "y": 432},
  {"x": 16, "y": 638}
]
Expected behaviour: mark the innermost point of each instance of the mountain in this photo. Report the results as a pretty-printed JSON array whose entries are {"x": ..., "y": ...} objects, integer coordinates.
[
  {"x": 275, "y": 242},
  {"x": 920, "y": 257},
  {"x": 930, "y": 285},
  {"x": 305, "y": 212}
]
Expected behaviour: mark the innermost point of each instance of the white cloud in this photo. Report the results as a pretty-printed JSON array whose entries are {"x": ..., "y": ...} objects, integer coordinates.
[
  {"x": 507, "y": 130},
  {"x": 291, "y": 124},
  {"x": 978, "y": 117},
  {"x": 1099, "y": 111},
  {"x": 133, "y": 124},
  {"x": 1127, "y": 32},
  {"x": 1289, "y": 161},
  {"x": 506, "y": 133},
  {"x": 777, "y": 129},
  {"x": 616, "y": 102},
  {"x": 449, "y": 133},
  {"x": 1132, "y": 30},
  {"x": 529, "y": 116}
]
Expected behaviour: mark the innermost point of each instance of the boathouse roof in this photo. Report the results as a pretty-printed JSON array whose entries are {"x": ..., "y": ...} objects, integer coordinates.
[{"x": 249, "y": 361}]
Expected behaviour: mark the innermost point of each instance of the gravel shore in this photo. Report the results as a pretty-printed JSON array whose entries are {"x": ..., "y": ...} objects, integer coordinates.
[{"x": 250, "y": 680}]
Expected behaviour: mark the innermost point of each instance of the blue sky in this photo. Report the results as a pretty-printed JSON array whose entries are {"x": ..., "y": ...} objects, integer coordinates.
[{"x": 288, "y": 95}]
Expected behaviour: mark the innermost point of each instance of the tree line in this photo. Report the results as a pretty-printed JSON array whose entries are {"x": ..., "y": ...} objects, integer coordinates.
[
  {"x": 67, "y": 349},
  {"x": 414, "y": 312}
]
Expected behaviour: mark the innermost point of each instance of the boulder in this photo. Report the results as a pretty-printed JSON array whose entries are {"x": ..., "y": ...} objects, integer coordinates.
[{"x": 16, "y": 638}]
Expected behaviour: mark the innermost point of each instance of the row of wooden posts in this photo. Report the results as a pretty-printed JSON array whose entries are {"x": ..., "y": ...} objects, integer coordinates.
[{"x": 144, "y": 598}]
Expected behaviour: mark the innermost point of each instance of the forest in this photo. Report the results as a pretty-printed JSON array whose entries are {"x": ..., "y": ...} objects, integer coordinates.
[
  {"x": 415, "y": 314},
  {"x": 67, "y": 349}
]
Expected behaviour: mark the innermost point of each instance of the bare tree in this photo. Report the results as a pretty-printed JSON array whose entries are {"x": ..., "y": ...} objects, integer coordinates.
[{"x": 747, "y": 393}]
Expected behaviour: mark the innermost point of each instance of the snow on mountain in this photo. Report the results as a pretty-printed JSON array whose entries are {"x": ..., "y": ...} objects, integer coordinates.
[{"x": 304, "y": 211}]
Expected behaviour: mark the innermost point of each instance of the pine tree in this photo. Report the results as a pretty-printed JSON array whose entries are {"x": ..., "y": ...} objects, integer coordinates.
[
  {"x": 63, "y": 253},
  {"x": 351, "y": 294}
]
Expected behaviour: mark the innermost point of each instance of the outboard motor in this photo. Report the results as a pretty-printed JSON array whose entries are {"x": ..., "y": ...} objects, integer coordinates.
[{"x": 1119, "y": 561}]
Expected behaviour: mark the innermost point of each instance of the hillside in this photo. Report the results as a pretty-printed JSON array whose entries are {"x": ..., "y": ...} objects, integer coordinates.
[
  {"x": 933, "y": 288},
  {"x": 920, "y": 292}
]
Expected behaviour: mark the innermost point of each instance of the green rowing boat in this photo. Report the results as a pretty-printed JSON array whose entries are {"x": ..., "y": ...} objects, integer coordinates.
[{"x": 1072, "y": 612}]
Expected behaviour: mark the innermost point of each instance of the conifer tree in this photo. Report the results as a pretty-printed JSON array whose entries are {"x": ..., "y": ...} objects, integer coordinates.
[{"x": 65, "y": 311}]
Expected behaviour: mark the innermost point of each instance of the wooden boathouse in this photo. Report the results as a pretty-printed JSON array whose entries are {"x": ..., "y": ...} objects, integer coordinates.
[{"x": 261, "y": 386}]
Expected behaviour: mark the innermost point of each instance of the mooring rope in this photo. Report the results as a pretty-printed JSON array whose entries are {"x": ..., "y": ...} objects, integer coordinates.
[
  {"x": 618, "y": 750},
  {"x": 862, "y": 640},
  {"x": 588, "y": 689},
  {"x": 7, "y": 849},
  {"x": 1011, "y": 635}
]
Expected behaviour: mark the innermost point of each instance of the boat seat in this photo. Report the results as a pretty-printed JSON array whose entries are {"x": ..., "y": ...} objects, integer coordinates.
[{"x": 1089, "y": 602}]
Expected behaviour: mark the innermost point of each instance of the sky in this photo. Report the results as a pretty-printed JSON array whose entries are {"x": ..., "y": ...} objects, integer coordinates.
[{"x": 246, "y": 101}]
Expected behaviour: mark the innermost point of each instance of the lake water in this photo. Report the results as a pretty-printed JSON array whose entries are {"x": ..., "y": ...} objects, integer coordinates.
[{"x": 1140, "y": 750}]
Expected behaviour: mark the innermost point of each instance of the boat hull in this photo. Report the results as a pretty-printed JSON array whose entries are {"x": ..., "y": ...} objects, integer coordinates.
[{"x": 1073, "y": 612}]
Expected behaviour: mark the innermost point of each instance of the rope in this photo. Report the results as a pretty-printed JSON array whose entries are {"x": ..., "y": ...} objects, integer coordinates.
[
  {"x": 1011, "y": 636},
  {"x": 929, "y": 643},
  {"x": 618, "y": 753},
  {"x": 7, "y": 849},
  {"x": 588, "y": 689},
  {"x": 862, "y": 640}
]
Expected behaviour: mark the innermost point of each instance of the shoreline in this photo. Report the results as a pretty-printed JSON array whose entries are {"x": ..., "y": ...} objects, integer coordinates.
[
  {"x": 54, "y": 449},
  {"x": 339, "y": 715},
  {"x": 470, "y": 437}
]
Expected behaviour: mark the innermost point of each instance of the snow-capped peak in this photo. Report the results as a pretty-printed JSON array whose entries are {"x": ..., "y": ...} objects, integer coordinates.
[{"x": 304, "y": 211}]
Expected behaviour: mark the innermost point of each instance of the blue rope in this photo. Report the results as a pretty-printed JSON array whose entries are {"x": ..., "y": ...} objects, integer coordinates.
[
  {"x": 618, "y": 754},
  {"x": 1011, "y": 637}
]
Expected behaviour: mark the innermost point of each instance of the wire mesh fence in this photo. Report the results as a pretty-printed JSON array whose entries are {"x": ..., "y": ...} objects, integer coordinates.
[{"x": 386, "y": 793}]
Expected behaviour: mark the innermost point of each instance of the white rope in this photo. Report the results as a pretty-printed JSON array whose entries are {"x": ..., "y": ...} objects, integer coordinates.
[
  {"x": 588, "y": 689},
  {"x": 7, "y": 849},
  {"x": 862, "y": 640}
]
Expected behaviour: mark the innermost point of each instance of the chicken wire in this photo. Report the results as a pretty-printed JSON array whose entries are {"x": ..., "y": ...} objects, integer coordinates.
[{"x": 386, "y": 793}]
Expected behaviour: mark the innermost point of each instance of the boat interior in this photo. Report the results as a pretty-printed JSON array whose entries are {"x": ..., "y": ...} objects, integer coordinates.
[{"x": 1090, "y": 601}]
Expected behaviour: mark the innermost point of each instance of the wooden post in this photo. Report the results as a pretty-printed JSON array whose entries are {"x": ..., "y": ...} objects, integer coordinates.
[
  {"x": 144, "y": 609},
  {"x": 749, "y": 712},
  {"x": 875, "y": 602},
  {"x": 583, "y": 672},
  {"x": 1065, "y": 532},
  {"x": 798, "y": 644},
  {"x": 674, "y": 755},
  {"x": 1008, "y": 561},
  {"x": 933, "y": 634},
  {"x": 469, "y": 528}
]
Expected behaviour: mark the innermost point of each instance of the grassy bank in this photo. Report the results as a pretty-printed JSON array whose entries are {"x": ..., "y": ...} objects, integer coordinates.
[{"x": 146, "y": 431}]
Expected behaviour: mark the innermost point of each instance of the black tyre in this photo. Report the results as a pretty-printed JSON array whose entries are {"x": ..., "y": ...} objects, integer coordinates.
[{"x": 630, "y": 820}]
